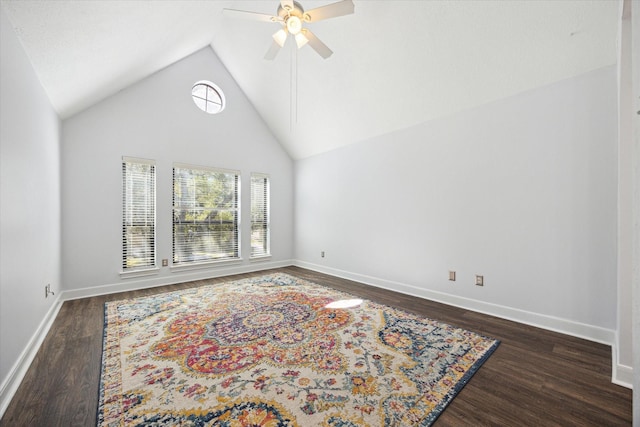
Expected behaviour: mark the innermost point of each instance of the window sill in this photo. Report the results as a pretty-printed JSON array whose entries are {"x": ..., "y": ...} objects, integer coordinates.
[
  {"x": 139, "y": 273},
  {"x": 201, "y": 265},
  {"x": 260, "y": 258}
]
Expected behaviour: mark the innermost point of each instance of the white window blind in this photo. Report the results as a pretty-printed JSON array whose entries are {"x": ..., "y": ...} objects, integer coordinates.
[
  {"x": 138, "y": 214},
  {"x": 206, "y": 217},
  {"x": 259, "y": 215}
]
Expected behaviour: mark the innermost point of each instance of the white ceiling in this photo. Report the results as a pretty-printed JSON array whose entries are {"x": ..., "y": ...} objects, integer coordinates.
[{"x": 395, "y": 63}]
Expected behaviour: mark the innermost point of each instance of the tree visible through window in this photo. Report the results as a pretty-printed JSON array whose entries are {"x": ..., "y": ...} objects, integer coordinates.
[
  {"x": 259, "y": 215},
  {"x": 205, "y": 214},
  {"x": 138, "y": 214}
]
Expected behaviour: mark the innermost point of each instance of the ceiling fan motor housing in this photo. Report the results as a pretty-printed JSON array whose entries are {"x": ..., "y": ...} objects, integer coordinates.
[{"x": 285, "y": 12}]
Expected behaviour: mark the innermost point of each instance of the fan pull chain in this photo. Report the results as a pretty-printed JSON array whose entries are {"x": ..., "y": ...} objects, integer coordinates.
[
  {"x": 293, "y": 89},
  {"x": 295, "y": 50}
]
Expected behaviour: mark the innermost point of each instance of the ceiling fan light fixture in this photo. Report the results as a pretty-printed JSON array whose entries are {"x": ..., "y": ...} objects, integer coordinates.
[
  {"x": 294, "y": 24},
  {"x": 301, "y": 40},
  {"x": 280, "y": 37}
]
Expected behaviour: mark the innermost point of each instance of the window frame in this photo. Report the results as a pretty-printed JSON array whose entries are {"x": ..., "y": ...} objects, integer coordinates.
[
  {"x": 128, "y": 206},
  {"x": 182, "y": 264},
  {"x": 203, "y": 103},
  {"x": 265, "y": 223}
]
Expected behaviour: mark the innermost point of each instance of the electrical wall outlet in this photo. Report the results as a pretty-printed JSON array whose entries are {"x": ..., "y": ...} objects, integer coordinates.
[
  {"x": 48, "y": 291},
  {"x": 452, "y": 276},
  {"x": 165, "y": 262},
  {"x": 479, "y": 280},
  {"x": 322, "y": 254}
]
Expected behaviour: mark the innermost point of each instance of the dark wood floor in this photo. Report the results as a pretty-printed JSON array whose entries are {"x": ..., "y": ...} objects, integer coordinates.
[{"x": 535, "y": 377}]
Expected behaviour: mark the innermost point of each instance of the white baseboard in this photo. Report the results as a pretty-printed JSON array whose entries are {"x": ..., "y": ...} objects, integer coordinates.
[
  {"x": 19, "y": 369},
  {"x": 621, "y": 375},
  {"x": 567, "y": 327},
  {"x": 146, "y": 282}
]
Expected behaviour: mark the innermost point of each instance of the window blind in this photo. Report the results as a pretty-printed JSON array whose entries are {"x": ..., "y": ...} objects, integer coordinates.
[
  {"x": 260, "y": 245},
  {"x": 205, "y": 214},
  {"x": 138, "y": 213}
]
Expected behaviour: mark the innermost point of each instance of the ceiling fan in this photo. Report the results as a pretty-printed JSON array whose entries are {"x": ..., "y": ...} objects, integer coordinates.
[{"x": 291, "y": 16}]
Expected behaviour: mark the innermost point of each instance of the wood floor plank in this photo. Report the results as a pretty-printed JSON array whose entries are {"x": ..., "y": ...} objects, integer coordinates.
[{"x": 534, "y": 378}]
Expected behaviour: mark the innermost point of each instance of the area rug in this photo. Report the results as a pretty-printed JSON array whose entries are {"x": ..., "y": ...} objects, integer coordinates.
[{"x": 272, "y": 351}]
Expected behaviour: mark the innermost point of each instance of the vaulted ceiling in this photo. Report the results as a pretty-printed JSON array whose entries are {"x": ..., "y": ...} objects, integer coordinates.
[{"x": 395, "y": 63}]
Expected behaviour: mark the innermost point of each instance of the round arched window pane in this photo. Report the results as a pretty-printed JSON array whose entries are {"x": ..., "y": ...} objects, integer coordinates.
[{"x": 208, "y": 97}]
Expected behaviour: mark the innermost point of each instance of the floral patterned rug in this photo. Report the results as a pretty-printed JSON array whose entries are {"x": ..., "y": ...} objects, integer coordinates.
[{"x": 268, "y": 351}]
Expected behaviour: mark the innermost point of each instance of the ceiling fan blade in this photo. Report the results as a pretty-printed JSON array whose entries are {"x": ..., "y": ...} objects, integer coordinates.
[
  {"x": 245, "y": 14},
  {"x": 286, "y": 4},
  {"x": 321, "y": 48},
  {"x": 272, "y": 52},
  {"x": 332, "y": 10}
]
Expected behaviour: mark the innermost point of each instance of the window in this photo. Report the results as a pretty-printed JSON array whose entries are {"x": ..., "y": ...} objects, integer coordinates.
[
  {"x": 138, "y": 214},
  {"x": 259, "y": 215},
  {"x": 208, "y": 97},
  {"x": 205, "y": 214}
]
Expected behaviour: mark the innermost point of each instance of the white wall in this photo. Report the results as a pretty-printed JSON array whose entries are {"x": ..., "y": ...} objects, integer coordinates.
[
  {"x": 157, "y": 119},
  {"x": 522, "y": 191},
  {"x": 29, "y": 209}
]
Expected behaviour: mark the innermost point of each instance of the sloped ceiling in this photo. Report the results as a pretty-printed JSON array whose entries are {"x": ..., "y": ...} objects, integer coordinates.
[{"x": 395, "y": 63}]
